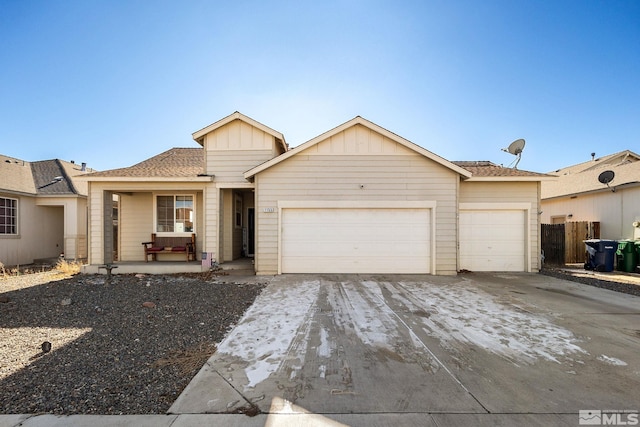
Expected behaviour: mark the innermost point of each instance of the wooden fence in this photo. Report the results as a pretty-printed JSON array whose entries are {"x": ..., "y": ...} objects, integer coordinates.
[
  {"x": 563, "y": 243},
  {"x": 553, "y": 243}
]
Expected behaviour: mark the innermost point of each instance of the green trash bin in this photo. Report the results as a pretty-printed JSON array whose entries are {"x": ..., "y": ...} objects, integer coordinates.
[
  {"x": 627, "y": 256},
  {"x": 637, "y": 252}
]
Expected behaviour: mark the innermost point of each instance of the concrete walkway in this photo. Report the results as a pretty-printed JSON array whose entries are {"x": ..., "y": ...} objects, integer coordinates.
[
  {"x": 291, "y": 420},
  {"x": 477, "y": 349}
]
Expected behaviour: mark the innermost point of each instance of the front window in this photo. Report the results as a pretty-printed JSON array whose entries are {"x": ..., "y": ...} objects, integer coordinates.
[
  {"x": 174, "y": 214},
  {"x": 8, "y": 216}
]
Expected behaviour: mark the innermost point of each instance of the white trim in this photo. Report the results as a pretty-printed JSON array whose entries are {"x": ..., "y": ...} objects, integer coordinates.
[
  {"x": 17, "y": 217},
  {"x": 361, "y": 204},
  {"x": 356, "y": 204},
  {"x": 235, "y": 185},
  {"x": 523, "y": 206},
  {"x": 155, "y": 214},
  {"x": 495, "y": 206},
  {"x": 146, "y": 178},
  {"x": 511, "y": 178}
]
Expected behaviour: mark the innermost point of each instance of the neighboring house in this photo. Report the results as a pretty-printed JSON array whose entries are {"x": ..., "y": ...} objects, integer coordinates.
[
  {"x": 356, "y": 199},
  {"x": 578, "y": 195},
  {"x": 43, "y": 210}
]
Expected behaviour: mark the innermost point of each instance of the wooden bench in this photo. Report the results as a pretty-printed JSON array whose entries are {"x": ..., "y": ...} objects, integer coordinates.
[{"x": 170, "y": 245}]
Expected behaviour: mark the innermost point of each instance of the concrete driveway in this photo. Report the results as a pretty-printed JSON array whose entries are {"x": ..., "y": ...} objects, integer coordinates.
[{"x": 484, "y": 349}]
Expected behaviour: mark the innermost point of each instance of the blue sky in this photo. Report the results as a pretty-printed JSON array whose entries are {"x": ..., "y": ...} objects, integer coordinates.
[{"x": 112, "y": 83}]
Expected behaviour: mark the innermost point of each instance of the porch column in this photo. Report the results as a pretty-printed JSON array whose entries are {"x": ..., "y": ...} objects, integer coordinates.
[
  {"x": 107, "y": 226},
  {"x": 211, "y": 221}
]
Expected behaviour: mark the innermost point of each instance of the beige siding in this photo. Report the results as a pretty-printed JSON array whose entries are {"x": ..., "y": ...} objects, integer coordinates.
[
  {"x": 616, "y": 212},
  {"x": 211, "y": 216},
  {"x": 136, "y": 225},
  {"x": 40, "y": 233},
  {"x": 358, "y": 139},
  {"x": 136, "y": 216},
  {"x": 226, "y": 246},
  {"x": 235, "y": 148},
  {"x": 400, "y": 175},
  {"x": 95, "y": 232},
  {"x": 509, "y": 192}
]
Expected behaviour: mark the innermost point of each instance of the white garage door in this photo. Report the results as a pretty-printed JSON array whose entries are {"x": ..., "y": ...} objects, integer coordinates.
[
  {"x": 324, "y": 240},
  {"x": 492, "y": 240}
]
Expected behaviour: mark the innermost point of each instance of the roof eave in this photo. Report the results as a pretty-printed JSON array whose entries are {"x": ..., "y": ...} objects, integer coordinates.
[
  {"x": 208, "y": 178},
  {"x": 586, "y": 192},
  {"x": 512, "y": 178}
]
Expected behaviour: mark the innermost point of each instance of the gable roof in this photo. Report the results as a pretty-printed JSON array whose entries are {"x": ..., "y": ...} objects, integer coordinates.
[
  {"x": 43, "y": 178},
  {"x": 583, "y": 177},
  {"x": 174, "y": 163},
  {"x": 487, "y": 171},
  {"x": 15, "y": 176},
  {"x": 199, "y": 135},
  {"x": 353, "y": 122}
]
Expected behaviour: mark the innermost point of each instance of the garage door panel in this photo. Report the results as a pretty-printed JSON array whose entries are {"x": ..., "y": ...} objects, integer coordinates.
[
  {"x": 355, "y": 240},
  {"x": 492, "y": 240}
]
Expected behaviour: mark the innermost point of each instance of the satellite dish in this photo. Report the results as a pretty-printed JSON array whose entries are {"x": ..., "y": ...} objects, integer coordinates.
[
  {"x": 606, "y": 177},
  {"x": 515, "y": 148}
]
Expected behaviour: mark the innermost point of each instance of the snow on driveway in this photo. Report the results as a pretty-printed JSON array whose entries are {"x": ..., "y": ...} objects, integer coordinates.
[
  {"x": 274, "y": 333},
  {"x": 264, "y": 336},
  {"x": 463, "y": 313}
]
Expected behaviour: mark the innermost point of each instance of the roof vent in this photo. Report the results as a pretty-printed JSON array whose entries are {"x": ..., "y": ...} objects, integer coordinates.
[
  {"x": 593, "y": 156},
  {"x": 84, "y": 167}
]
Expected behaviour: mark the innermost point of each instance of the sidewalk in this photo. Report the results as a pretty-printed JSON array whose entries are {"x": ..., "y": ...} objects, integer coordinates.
[{"x": 289, "y": 420}]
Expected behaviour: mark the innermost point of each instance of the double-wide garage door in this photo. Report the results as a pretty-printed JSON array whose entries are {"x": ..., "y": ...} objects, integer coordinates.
[
  {"x": 356, "y": 240},
  {"x": 492, "y": 240}
]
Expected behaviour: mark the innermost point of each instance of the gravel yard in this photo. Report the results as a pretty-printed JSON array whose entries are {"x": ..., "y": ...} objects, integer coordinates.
[
  {"x": 125, "y": 346},
  {"x": 627, "y": 285}
]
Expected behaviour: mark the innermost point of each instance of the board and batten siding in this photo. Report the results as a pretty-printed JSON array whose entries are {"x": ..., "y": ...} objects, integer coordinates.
[
  {"x": 233, "y": 149},
  {"x": 357, "y": 164},
  {"x": 504, "y": 193}
]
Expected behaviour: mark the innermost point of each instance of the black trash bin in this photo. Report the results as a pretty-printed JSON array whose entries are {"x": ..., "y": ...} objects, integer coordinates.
[{"x": 602, "y": 254}]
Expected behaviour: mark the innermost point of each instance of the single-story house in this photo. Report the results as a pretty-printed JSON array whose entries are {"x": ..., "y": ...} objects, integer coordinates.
[
  {"x": 356, "y": 199},
  {"x": 579, "y": 195},
  {"x": 43, "y": 210}
]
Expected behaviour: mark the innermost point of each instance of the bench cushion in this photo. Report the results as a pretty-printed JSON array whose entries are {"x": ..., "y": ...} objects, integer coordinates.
[
  {"x": 155, "y": 249},
  {"x": 179, "y": 249}
]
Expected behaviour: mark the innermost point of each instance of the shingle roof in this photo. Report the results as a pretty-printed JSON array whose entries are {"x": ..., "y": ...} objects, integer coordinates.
[
  {"x": 15, "y": 176},
  {"x": 176, "y": 162},
  {"x": 583, "y": 177},
  {"x": 45, "y": 177},
  {"x": 485, "y": 168}
]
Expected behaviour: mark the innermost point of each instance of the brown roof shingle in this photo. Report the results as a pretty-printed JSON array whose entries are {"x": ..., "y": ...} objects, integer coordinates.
[
  {"x": 173, "y": 163},
  {"x": 484, "y": 168}
]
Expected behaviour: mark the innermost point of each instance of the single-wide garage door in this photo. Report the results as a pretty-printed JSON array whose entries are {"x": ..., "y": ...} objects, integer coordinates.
[
  {"x": 492, "y": 240},
  {"x": 348, "y": 240}
]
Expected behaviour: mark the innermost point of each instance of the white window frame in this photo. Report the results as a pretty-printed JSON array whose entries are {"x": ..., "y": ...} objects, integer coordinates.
[
  {"x": 17, "y": 217},
  {"x": 155, "y": 214}
]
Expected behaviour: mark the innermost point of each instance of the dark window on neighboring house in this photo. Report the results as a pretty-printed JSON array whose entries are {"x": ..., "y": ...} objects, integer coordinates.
[{"x": 8, "y": 216}]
